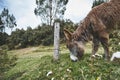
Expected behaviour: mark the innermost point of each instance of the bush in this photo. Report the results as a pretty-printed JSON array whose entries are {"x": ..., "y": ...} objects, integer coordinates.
[
  {"x": 3, "y": 38},
  {"x": 48, "y": 41},
  {"x": 42, "y": 35},
  {"x": 6, "y": 63},
  {"x": 115, "y": 41}
]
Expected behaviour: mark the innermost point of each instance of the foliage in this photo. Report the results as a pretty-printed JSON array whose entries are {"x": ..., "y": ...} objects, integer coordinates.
[
  {"x": 115, "y": 41},
  {"x": 42, "y": 35},
  {"x": 7, "y": 20},
  {"x": 98, "y": 2},
  {"x": 16, "y": 39},
  {"x": 6, "y": 63},
  {"x": 1, "y": 25},
  {"x": 36, "y": 68},
  {"x": 3, "y": 38},
  {"x": 50, "y": 10}
]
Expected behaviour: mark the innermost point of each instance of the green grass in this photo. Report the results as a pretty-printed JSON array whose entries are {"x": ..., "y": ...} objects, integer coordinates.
[{"x": 34, "y": 64}]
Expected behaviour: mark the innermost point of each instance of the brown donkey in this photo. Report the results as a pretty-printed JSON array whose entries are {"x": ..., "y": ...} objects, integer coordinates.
[{"x": 96, "y": 27}]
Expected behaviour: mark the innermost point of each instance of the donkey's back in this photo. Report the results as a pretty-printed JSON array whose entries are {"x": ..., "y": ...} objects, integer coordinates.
[{"x": 108, "y": 13}]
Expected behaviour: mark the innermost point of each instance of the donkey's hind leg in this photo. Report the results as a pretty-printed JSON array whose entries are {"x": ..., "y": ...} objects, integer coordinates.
[
  {"x": 104, "y": 38},
  {"x": 95, "y": 46}
]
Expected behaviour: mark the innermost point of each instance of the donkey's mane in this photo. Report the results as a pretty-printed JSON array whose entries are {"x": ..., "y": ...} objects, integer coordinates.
[{"x": 107, "y": 14}]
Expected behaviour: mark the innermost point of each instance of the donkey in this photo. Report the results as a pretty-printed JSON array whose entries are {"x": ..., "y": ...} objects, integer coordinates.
[{"x": 96, "y": 26}]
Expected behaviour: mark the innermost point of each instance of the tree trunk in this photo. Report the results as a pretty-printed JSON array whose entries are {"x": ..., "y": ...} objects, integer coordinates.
[{"x": 50, "y": 2}]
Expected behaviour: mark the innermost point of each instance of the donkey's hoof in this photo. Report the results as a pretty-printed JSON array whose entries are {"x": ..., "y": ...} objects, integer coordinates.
[{"x": 93, "y": 56}]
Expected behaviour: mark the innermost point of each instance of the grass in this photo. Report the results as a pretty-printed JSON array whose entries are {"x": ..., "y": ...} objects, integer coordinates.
[{"x": 35, "y": 63}]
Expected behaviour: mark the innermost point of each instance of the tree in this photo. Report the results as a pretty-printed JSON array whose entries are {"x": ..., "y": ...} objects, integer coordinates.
[
  {"x": 11, "y": 22},
  {"x": 50, "y": 10},
  {"x": 7, "y": 20},
  {"x": 1, "y": 25},
  {"x": 98, "y": 2},
  {"x": 3, "y": 38}
]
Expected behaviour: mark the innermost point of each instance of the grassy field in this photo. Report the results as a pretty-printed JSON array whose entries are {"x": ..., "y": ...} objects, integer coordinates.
[{"x": 36, "y": 63}]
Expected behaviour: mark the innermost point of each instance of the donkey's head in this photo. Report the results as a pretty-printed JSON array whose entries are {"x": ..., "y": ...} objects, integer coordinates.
[{"x": 75, "y": 47}]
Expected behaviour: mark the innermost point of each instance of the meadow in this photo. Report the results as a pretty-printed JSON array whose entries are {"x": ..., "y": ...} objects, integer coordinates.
[{"x": 36, "y": 63}]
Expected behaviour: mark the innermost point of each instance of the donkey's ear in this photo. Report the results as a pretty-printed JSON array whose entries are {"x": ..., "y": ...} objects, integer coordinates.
[{"x": 67, "y": 34}]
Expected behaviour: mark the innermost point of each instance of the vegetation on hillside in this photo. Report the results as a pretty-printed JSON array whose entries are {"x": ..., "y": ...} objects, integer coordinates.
[
  {"x": 42, "y": 35},
  {"x": 6, "y": 63},
  {"x": 115, "y": 40},
  {"x": 36, "y": 63},
  {"x": 44, "y": 68}
]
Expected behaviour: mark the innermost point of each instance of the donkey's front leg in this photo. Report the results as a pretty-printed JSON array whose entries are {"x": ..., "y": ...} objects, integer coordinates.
[{"x": 95, "y": 46}]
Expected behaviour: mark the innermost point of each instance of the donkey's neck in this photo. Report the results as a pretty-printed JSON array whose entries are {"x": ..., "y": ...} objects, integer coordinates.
[{"x": 83, "y": 32}]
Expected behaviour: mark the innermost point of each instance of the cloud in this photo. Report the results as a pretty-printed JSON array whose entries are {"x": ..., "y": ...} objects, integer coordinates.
[
  {"x": 78, "y": 9},
  {"x": 23, "y": 10},
  {"x": 28, "y": 20}
]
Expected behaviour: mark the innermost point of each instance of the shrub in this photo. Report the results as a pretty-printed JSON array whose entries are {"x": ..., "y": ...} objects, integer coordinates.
[
  {"x": 115, "y": 41},
  {"x": 48, "y": 41},
  {"x": 3, "y": 38},
  {"x": 6, "y": 63}
]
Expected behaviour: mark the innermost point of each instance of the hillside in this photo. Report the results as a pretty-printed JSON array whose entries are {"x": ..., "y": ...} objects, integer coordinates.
[{"x": 35, "y": 63}]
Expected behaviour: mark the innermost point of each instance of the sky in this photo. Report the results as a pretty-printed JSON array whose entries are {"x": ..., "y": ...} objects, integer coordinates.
[
  {"x": 23, "y": 10},
  {"x": 78, "y": 9}
]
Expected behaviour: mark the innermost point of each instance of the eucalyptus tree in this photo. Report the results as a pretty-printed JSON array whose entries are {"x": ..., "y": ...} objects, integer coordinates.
[
  {"x": 50, "y": 10},
  {"x": 7, "y": 20},
  {"x": 98, "y": 2},
  {"x": 1, "y": 25}
]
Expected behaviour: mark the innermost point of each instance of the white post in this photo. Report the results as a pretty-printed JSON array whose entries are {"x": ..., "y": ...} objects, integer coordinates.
[{"x": 56, "y": 40}]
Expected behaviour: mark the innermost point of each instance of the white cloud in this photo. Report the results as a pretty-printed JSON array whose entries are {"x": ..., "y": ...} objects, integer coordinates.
[
  {"x": 23, "y": 10},
  {"x": 78, "y": 9}
]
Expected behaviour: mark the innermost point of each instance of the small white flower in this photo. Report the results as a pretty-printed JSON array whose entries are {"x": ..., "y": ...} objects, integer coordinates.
[
  {"x": 49, "y": 73},
  {"x": 98, "y": 55},
  {"x": 119, "y": 43},
  {"x": 52, "y": 78},
  {"x": 93, "y": 56},
  {"x": 68, "y": 70}
]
